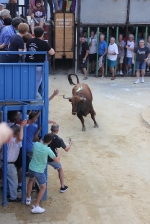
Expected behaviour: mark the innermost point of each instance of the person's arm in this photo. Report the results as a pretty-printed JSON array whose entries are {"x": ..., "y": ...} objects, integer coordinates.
[
  {"x": 20, "y": 136},
  {"x": 86, "y": 54},
  {"x": 68, "y": 146},
  {"x": 36, "y": 136},
  {"x": 105, "y": 50},
  {"x": 2, "y": 46},
  {"x": 56, "y": 91},
  {"x": 51, "y": 51},
  {"x": 133, "y": 57},
  {"x": 32, "y": 16},
  {"x": 35, "y": 117}
]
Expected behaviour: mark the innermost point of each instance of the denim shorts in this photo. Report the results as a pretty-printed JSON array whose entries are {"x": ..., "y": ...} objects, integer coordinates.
[
  {"x": 55, "y": 165},
  {"x": 40, "y": 177},
  {"x": 128, "y": 61},
  {"x": 84, "y": 63},
  {"x": 140, "y": 65},
  {"x": 111, "y": 63}
]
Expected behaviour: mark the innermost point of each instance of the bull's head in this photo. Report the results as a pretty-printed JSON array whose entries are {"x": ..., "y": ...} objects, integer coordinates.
[{"x": 77, "y": 103}]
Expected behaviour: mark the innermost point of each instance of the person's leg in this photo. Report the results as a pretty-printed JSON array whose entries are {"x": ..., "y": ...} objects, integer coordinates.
[
  {"x": 85, "y": 72},
  {"x": 41, "y": 22},
  {"x": 29, "y": 187},
  {"x": 84, "y": 64},
  {"x": 113, "y": 71},
  {"x": 51, "y": 8},
  {"x": 12, "y": 181},
  {"x": 40, "y": 194},
  {"x": 38, "y": 78},
  {"x": 60, "y": 2},
  {"x": 143, "y": 68},
  {"x": 103, "y": 70},
  {"x": 61, "y": 176},
  {"x": 32, "y": 27}
]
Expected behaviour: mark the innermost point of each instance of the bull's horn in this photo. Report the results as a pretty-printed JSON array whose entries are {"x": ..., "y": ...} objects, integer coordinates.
[
  {"x": 82, "y": 98},
  {"x": 66, "y": 97}
]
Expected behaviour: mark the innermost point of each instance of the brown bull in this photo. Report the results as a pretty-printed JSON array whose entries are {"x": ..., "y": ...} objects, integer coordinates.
[{"x": 81, "y": 101}]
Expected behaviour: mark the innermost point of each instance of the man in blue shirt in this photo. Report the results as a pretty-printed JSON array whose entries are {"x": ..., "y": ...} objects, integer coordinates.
[
  {"x": 102, "y": 50},
  {"x": 7, "y": 33}
]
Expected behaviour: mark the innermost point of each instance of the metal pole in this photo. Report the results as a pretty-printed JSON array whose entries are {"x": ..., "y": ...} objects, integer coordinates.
[
  {"x": 106, "y": 67},
  {"x": 98, "y": 30},
  {"x": 24, "y": 110},
  {"x": 146, "y": 34},
  {"x": 88, "y": 44},
  {"x": 76, "y": 51},
  {"x": 117, "y": 33},
  {"x": 4, "y": 202},
  {"x": 136, "y": 35}
]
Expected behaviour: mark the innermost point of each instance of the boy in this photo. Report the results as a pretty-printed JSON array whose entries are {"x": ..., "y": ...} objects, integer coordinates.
[
  {"x": 12, "y": 155},
  {"x": 38, "y": 16},
  {"x": 56, "y": 143},
  {"x": 38, "y": 163}
]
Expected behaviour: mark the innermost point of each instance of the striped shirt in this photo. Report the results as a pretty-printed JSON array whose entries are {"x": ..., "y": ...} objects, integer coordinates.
[{"x": 6, "y": 33}]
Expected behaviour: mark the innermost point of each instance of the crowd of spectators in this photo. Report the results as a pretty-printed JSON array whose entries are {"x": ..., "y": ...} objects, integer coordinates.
[{"x": 116, "y": 54}]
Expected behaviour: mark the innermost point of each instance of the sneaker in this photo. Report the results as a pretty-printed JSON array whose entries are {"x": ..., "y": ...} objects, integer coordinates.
[
  {"x": 85, "y": 78},
  {"x": 137, "y": 81},
  {"x": 19, "y": 189},
  {"x": 37, "y": 209},
  {"x": 33, "y": 189},
  {"x": 121, "y": 73},
  {"x": 118, "y": 73},
  {"x": 142, "y": 79},
  {"x": 102, "y": 77},
  {"x": 28, "y": 201},
  {"x": 63, "y": 189},
  {"x": 147, "y": 69},
  {"x": 38, "y": 96},
  {"x": 130, "y": 70}
]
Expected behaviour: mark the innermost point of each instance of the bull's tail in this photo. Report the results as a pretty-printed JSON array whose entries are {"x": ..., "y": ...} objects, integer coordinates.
[{"x": 70, "y": 79}]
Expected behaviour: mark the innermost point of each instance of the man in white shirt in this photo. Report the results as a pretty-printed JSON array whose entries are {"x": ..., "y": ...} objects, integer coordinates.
[
  {"x": 112, "y": 56},
  {"x": 92, "y": 52},
  {"x": 130, "y": 50}
]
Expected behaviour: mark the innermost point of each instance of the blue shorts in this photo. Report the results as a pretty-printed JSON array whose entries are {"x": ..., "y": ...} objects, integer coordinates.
[
  {"x": 111, "y": 63},
  {"x": 128, "y": 61},
  {"x": 55, "y": 165},
  {"x": 40, "y": 177},
  {"x": 140, "y": 65}
]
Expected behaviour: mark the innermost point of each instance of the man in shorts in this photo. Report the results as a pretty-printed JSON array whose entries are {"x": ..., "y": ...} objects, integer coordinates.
[
  {"x": 36, "y": 170},
  {"x": 102, "y": 51},
  {"x": 112, "y": 56},
  {"x": 130, "y": 50},
  {"x": 92, "y": 52},
  {"x": 84, "y": 56},
  {"x": 142, "y": 55},
  {"x": 121, "y": 45},
  {"x": 58, "y": 142},
  {"x": 38, "y": 16}
]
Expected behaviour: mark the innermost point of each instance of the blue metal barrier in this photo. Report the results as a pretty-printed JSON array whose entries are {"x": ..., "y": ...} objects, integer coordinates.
[{"x": 17, "y": 85}]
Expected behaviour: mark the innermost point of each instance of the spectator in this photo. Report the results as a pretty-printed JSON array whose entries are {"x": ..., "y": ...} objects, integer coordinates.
[
  {"x": 142, "y": 55},
  {"x": 12, "y": 155},
  {"x": 112, "y": 56},
  {"x": 148, "y": 45},
  {"x": 121, "y": 45},
  {"x": 102, "y": 51},
  {"x": 36, "y": 170},
  {"x": 16, "y": 43},
  {"x": 38, "y": 44},
  {"x": 3, "y": 14},
  {"x": 92, "y": 52},
  {"x": 38, "y": 16},
  {"x": 84, "y": 56},
  {"x": 130, "y": 50},
  {"x": 8, "y": 32},
  {"x": 57, "y": 5},
  {"x": 1, "y": 7},
  {"x": 58, "y": 142},
  {"x": 7, "y": 21},
  {"x": 32, "y": 5}
]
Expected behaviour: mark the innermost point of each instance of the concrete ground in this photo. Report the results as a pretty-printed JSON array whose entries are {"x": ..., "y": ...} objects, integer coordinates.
[{"x": 107, "y": 169}]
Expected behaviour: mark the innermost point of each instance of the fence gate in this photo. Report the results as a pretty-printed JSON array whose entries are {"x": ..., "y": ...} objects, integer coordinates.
[{"x": 64, "y": 35}]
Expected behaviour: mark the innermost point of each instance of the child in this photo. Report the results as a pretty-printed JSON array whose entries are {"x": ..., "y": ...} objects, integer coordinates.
[
  {"x": 38, "y": 16},
  {"x": 12, "y": 155},
  {"x": 38, "y": 163}
]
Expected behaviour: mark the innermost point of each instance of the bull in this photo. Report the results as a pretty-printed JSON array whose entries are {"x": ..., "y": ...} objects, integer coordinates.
[{"x": 81, "y": 101}]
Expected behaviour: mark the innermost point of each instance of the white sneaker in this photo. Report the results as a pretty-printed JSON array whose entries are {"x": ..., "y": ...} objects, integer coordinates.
[
  {"x": 142, "y": 79},
  {"x": 147, "y": 69},
  {"x": 121, "y": 73},
  {"x": 28, "y": 201},
  {"x": 37, "y": 209},
  {"x": 118, "y": 73},
  {"x": 137, "y": 81}
]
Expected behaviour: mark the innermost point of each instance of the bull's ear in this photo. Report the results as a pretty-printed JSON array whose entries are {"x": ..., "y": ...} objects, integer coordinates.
[{"x": 70, "y": 100}]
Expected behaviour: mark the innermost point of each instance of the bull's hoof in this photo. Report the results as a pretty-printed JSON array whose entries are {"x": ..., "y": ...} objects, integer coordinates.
[
  {"x": 96, "y": 126},
  {"x": 83, "y": 129}
]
